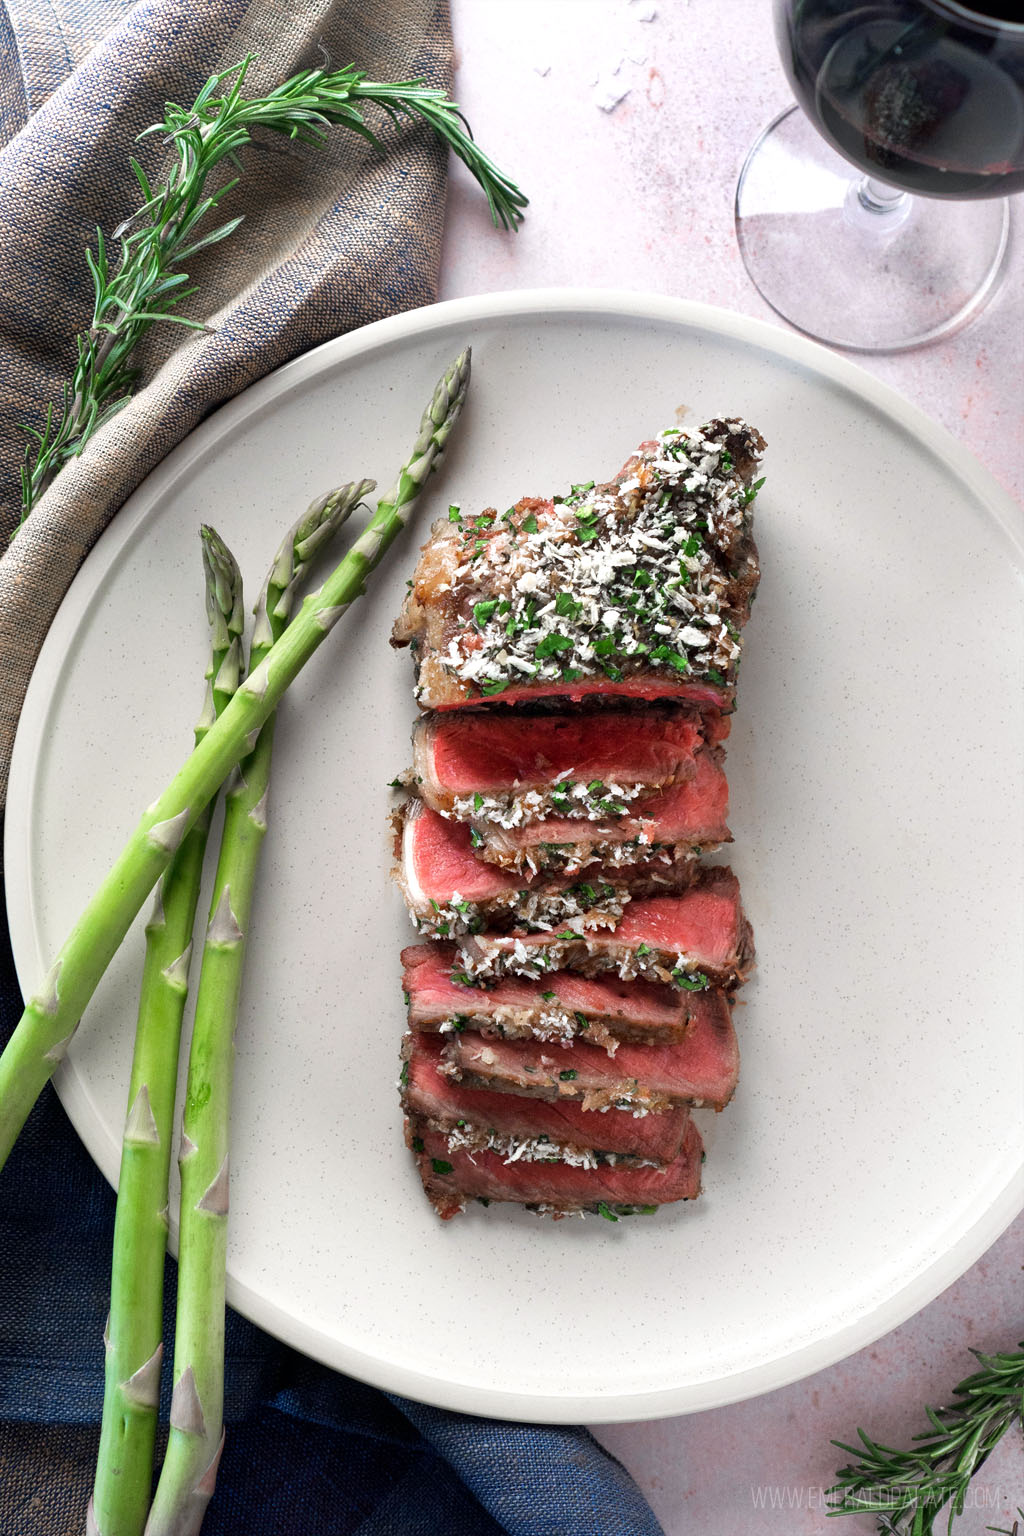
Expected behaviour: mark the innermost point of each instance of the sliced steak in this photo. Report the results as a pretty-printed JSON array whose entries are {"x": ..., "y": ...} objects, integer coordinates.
[
  {"x": 603, "y": 1008},
  {"x": 692, "y": 940},
  {"x": 528, "y": 1127},
  {"x": 701, "y": 1069},
  {"x": 507, "y": 768},
  {"x": 450, "y": 1178},
  {"x": 449, "y": 891},
  {"x": 686, "y": 817},
  {"x": 635, "y": 588}
]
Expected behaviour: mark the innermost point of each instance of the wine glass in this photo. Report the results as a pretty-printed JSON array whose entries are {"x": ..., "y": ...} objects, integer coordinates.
[{"x": 922, "y": 97}]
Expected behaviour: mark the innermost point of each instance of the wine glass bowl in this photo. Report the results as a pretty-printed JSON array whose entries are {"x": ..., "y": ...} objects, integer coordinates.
[{"x": 925, "y": 100}]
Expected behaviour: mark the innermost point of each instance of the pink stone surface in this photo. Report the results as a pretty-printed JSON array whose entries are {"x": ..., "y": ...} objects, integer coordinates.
[{"x": 641, "y": 196}]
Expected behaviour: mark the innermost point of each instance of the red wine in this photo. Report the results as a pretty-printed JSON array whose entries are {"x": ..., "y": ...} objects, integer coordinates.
[{"x": 927, "y": 95}]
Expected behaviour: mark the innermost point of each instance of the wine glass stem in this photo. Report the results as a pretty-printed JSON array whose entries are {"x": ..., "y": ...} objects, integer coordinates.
[{"x": 876, "y": 197}]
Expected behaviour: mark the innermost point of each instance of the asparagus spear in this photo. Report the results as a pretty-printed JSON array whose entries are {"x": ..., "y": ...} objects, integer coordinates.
[
  {"x": 193, "y": 1449},
  {"x": 52, "y": 1015},
  {"x": 133, "y": 1335}
]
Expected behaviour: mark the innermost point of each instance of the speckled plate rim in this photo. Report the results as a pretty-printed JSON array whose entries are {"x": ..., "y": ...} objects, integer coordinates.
[{"x": 1004, "y": 1201}]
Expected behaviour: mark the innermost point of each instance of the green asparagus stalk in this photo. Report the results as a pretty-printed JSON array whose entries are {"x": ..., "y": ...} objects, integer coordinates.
[
  {"x": 52, "y": 1014},
  {"x": 124, "y": 1470},
  {"x": 193, "y": 1449}
]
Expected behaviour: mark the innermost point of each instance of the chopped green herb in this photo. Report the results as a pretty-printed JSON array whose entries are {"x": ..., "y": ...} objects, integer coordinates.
[
  {"x": 418, "y": 1144},
  {"x": 716, "y": 677},
  {"x": 440, "y": 1166},
  {"x": 478, "y": 801},
  {"x": 492, "y": 686},
  {"x": 603, "y": 1210},
  {"x": 664, "y": 653},
  {"x": 483, "y": 611},
  {"x": 548, "y": 996},
  {"x": 694, "y": 983},
  {"x": 552, "y": 644},
  {"x": 643, "y": 949},
  {"x": 475, "y": 840},
  {"x": 582, "y": 1020},
  {"x": 529, "y": 524},
  {"x": 568, "y": 1075},
  {"x": 751, "y": 492},
  {"x": 454, "y": 513},
  {"x": 396, "y": 783},
  {"x": 567, "y": 607}
]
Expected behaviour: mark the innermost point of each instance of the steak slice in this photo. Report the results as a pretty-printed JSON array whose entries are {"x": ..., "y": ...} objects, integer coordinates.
[
  {"x": 635, "y": 588},
  {"x": 449, "y": 891},
  {"x": 450, "y": 1178},
  {"x": 687, "y": 816},
  {"x": 528, "y": 1127},
  {"x": 508, "y": 768},
  {"x": 692, "y": 940},
  {"x": 701, "y": 1069},
  {"x": 559, "y": 1007}
]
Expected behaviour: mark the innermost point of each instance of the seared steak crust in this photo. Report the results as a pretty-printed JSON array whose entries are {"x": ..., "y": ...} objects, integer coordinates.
[
  {"x": 473, "y": 1116},
  {"x": 702, "y": 1069},
  {"x": 638, "y": 587},
  {"x": 450, "y": 1178},
  {"x": 602, "y": 1009},
  {"x": 450, "y": 891},
  {"x": 509, "y": 768},
  {"x": 698, "y": 938}
]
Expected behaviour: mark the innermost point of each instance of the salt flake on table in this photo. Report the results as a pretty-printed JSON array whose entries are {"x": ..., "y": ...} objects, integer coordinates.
[{"x": 609, "y": 97}]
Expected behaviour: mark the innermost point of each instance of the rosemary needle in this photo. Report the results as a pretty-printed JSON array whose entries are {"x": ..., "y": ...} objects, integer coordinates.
[
  {"x": 907, "y": 1489},
  {"x": 144, "y": 284}
]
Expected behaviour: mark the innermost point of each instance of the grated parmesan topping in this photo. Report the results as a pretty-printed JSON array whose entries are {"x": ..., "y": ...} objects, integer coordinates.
[
  {"x": 595, "y": 801},
  {"x": 589, "y": 906},
  {"x": 536, "y": 1149},
  {"x": 575, "y": 858},
  {"x": 488, "y": 957},
  {"x": 609, "y": 579}
]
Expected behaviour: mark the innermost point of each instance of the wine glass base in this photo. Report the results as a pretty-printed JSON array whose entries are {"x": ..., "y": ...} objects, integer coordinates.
[{"x": 870, "y": 281}]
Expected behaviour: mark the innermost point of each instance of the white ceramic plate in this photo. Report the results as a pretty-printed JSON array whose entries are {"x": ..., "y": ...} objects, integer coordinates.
[{"x": 872, "y": 1151}]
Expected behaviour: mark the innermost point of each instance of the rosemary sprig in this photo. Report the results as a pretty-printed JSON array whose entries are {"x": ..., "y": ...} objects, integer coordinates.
[
  {"x": 908, "y": 1489},
  {"x": 144, "y": 283}
]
